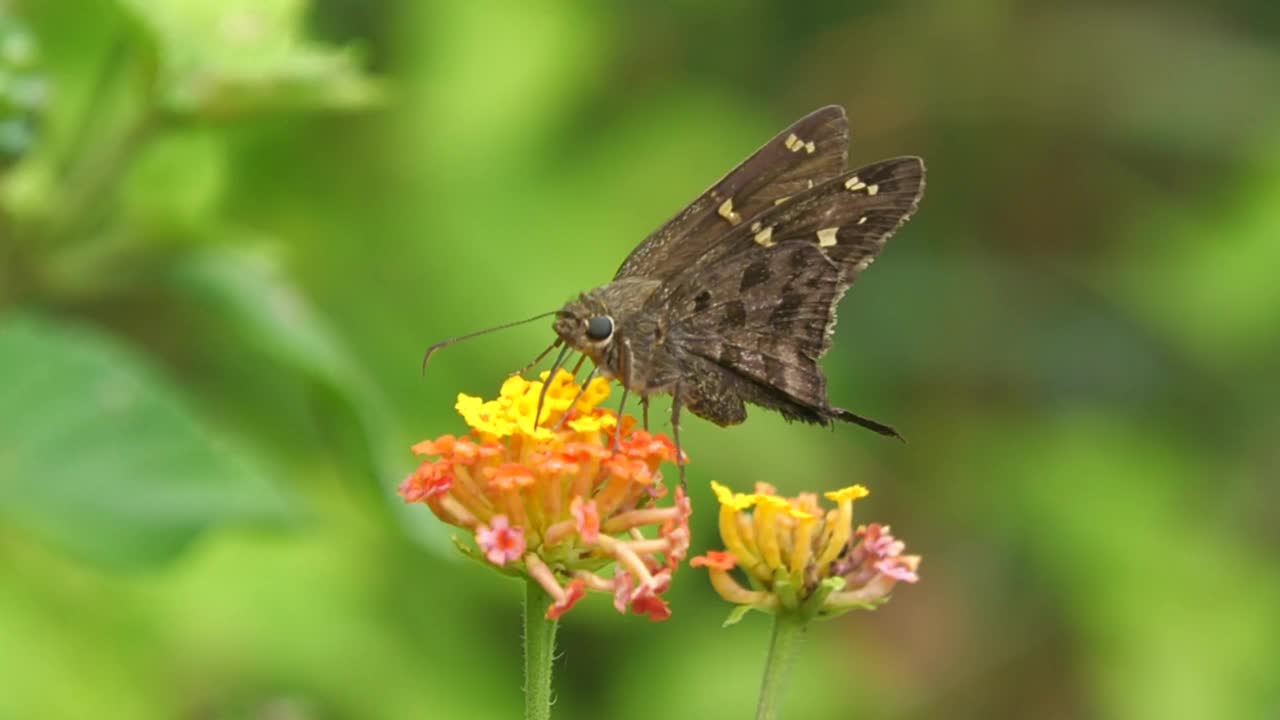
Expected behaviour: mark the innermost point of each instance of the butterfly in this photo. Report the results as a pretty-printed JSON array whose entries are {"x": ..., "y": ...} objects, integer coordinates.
[{"x": 733, "y": 300}]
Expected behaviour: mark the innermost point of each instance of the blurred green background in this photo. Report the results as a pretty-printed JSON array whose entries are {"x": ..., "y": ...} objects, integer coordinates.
[{"x": 228, "y": 229}]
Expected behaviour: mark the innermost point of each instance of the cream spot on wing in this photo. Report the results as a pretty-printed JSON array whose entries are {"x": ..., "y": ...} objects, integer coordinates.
[
  {"x": 862, "y": 219},
  {"x": 853, "y": 184},
  {"x": 827, "y": 237},
  {"x": 782, "y": 199},
  {"x": 795, "y": 144},
  {"x": 728, "y": 213},
  {"x": 765, "y": 237},
  {"x": 755, "y": 226},
  {"x": 873, "y": 189},
  {"x": 863, "y": 263}
]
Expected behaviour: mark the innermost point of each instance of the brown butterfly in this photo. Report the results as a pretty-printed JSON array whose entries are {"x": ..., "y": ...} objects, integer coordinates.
[{"x": 733, "y": 300}]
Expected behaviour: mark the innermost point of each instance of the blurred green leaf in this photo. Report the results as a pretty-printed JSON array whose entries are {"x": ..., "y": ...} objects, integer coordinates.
[
  {"x": 1206, "y": 277},
  {"x": 24, "y": 90},
  {"x": 177, "y": 180},
  {"x": 230, "y": 58},
  {"x": 248, "y": 291},
  {"x": 1128, "y": 528},
  {"x": 100, "y": 455}
]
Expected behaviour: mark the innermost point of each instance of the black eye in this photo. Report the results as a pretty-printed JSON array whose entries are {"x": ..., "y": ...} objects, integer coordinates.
[{"x": 600, "y": 327}]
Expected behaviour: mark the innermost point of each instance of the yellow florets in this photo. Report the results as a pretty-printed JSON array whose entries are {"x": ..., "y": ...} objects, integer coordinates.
[
  {"x": 799, "y": 555},
  {"x": 853, "y": 492},
  {"x": 731, "y": 499},
  {"x": 513, "y": 411}
]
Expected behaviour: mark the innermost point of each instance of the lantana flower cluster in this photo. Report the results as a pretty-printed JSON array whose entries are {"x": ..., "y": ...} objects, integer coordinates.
[
  {"x": 560, "y": 499},
  {"x": 800, "y": 557}
]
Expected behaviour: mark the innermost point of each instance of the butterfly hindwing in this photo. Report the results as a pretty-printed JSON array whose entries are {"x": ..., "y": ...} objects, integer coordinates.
[
  {"x": 808, "y": 153},
  {"x": 773, "y": 329}
]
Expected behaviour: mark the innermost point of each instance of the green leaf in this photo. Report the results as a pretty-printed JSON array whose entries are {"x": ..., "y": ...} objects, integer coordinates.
[
  {"x": 100, "y": 456},
  {"x": 737, "y": 613},
  {"x": 816, "y": 602},
  {"x": 226, "y": 58},
  {"x": 177, "y": 181},
  {"x": 833, "y": 584},
  {"x": 249, "y": 292}
]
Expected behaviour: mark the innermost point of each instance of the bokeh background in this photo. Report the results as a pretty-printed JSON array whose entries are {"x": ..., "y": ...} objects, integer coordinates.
[{"x": 228, "y": 229}]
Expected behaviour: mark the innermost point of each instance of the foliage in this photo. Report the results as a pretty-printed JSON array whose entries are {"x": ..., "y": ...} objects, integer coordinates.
[{"x": 229, "y": 229}]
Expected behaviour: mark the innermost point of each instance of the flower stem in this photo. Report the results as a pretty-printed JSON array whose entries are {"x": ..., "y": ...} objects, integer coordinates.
[
  {"x": 539, "y": 651},
  {"x": 788, "y": 631}
]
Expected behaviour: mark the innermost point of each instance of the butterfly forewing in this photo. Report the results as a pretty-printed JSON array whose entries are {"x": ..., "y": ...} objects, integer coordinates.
[
  {"x": 810, "y": 152},
  {"x": 762, "y": 303},
  {"x": 848, "y": 218}
]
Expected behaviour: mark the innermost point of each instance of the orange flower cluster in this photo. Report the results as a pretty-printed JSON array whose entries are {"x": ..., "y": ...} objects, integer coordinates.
[{"x": 558, "y": 498}]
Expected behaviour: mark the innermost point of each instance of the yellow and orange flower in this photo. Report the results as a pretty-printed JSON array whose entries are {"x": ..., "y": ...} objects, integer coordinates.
[
  {"x": 559, "y": 500},
  {"x": 799, "y": 557}
]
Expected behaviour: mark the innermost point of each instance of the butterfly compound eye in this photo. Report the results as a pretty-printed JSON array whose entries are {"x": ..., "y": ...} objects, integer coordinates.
[{"x": 600, "y": 327}]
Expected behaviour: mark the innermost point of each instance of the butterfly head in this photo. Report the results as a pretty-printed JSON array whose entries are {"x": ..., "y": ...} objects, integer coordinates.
[{"x": 586, "y": 325}]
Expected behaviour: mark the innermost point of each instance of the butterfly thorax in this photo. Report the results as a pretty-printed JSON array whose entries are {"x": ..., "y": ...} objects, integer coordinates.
[{"x": 607, "y": 325}]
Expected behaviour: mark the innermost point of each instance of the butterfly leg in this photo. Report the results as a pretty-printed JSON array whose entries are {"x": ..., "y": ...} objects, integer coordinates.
[
  {"x": 578, "y": 367},
  {"x": 675, "y": 434},
  {"x": 617, "y": 430},
  {"x": 551, "y": 376},
  {"x": 581, "y": 391},
  {"x": 534, "y": 362},
  {"x": 644, "y": 404}
]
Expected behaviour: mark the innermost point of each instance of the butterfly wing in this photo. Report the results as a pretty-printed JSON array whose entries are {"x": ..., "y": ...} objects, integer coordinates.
[
  {"x": 810, "y": 152},
  {"x": 762, "y": 303}
]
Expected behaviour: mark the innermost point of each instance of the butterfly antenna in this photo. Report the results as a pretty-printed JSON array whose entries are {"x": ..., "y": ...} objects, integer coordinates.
[
  {"x": 426, "y": 358},
  {"x": 542, "y": 396}
]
